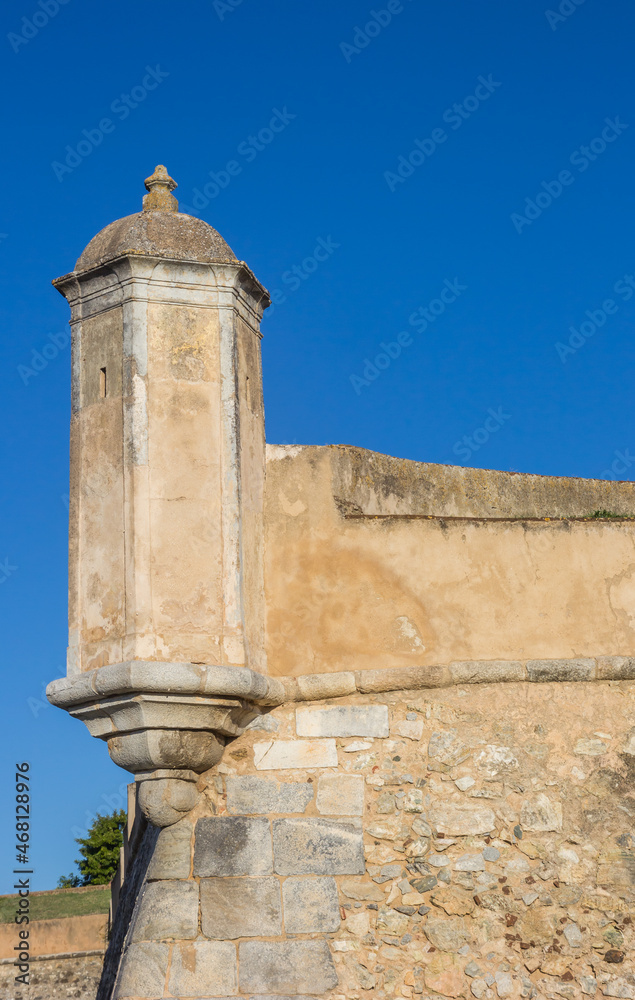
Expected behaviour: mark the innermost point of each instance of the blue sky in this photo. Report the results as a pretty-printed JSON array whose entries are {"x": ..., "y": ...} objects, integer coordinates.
[{"x": 517, "y": 205}]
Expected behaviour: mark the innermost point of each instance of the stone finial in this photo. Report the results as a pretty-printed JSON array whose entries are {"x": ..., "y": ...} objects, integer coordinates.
[{"x": 160, "y": 186}]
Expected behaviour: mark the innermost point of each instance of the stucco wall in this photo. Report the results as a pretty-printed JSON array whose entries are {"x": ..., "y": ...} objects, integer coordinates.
[
  {"x": 374, "y": 562},
  {"x": 58, "y": 937}
]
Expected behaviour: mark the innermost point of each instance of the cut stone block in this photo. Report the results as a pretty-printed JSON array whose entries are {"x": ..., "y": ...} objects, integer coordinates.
[
  {"x": 317, "y": 847},
  {"x": 278, "y": 755},
  {"x": 172, "y": 856},
  {"x": 264, "y": 795},
  {"x": 203, "y": 968},
  {"x": 311, "y": 905},
  {"x": 240, "y": 907},
  {"x": 462, "y": 819},
  {"x": 340, "y": 794},
  {"x": 232, "y": 845},
  {"x": 343, "y": 720},
  {"x": 286, "y": 967},
  {"x": 168, "y": 910},
  {"x": 143, "y": 971}
]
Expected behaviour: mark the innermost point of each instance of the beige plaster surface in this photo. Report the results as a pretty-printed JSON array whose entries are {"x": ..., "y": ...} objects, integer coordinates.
[
  {"x": 168, "y": 468},
  {"x": 360, "y": 574},
  {"x": 58, "y": 937}
]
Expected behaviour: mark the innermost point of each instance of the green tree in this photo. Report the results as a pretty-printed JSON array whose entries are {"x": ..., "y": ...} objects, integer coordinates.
[{"x": 99, "y": 852}]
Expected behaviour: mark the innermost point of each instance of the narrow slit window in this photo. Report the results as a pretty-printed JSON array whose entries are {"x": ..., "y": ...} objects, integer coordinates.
[{"x": 102, "y": 383}]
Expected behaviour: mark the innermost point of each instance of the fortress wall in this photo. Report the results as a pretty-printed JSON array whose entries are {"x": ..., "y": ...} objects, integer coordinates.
[
  {"x": 374, "y": 563},
  {"x": 468, "y": 842}
]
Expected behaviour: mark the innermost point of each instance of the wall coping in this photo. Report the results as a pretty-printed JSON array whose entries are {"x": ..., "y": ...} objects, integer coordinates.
[
  {"x": 57, "y": 958},
  {"x": 313, "y": 687}
]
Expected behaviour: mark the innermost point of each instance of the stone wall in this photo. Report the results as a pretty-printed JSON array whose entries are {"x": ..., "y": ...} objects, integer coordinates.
[
  {"x": 465, "y": 842},
  {"x": 59, "y": 978}
]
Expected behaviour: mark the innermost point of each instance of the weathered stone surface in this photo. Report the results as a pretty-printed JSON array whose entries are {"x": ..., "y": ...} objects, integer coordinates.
[
  {"x": 402, "y": 678},
  {"x": 143, "y": 971},
  {"x": 445, "y": 975},
  {"x": 311, "y": 905},
  {"x": 168, "y": 911},
  {"x": 616, "y": 668},
  {"x": 251, "y": 794},
  {"x": 316, "y": 686},
  {"x": 164, "y": 802},
  {"x": 462, "y": 819},
  {"x": 447, "y": 935},
  {"x": 340, "y": 795},
  {"x": 590, "y": 747},
  {"x": 279, "y": 755},
  {"x": 362, "y": 891},
  {"x": 317, "y": 847},
  {"x": 264, "y": 724},
  {"x": 391, "y": 921},
  {"x": 232, "y": 845},
  {"x": 172, "y": 856},
  {"x": 504, "y": 984},
  {"x": 487, "y": 671},
  {"x": 453, "y": 901},
  {"x": 286, "y": 967},
  {"x": 410, "y": 729},
  {"x": 240, "y": 907},
  {"x": 560, "y": 670},
  {"x": 413, "y": 801},
  {"x": 55, "y": 978},
  {"x": 539, "y": 813},
  {"x": 385, "y": 804},
  {"x": 203, "y": 968},
  {"x": 343, "y": 720},
  {"x": 447, "y": 748}
]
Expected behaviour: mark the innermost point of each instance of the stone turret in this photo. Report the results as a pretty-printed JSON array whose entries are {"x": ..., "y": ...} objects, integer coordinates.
[{"x": 166, "y": 606}]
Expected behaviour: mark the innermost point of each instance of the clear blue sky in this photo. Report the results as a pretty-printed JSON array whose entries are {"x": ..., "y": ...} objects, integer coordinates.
[{"x": 361, "y": 105}]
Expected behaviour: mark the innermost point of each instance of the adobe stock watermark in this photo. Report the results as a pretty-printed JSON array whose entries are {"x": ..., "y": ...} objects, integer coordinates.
[
  {"x": 31, "y": 26},
  {"x": 6, "y": 569},
  {"x": 564, "y": 12},
  {"x": 223, "y": 8},
  {"x": 41, "y": 359},
  {"x": 294, "y": 277},
  {"x": 420, "y": 320},
  {"x": 582, "y": 158},
  {"x": 595, "y": 318},
  {"x": 620, "y": 464},
  {"x": 468, "y": 444},
  {"x": 454, "y": 116},
  {"x": 122, "y": 107},
  {"x": 379, "y": 19},
  {"x": 248, "y": 149}
]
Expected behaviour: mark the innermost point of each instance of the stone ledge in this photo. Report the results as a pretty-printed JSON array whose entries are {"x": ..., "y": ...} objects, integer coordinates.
[
  {"x": 56, "y": 958},
  {"x": 154, "y": 677},
  {"x": 316, "y": 687}
]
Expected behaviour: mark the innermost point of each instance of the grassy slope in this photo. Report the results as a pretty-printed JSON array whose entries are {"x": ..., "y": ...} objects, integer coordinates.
[{"x": 69, "y": 903}]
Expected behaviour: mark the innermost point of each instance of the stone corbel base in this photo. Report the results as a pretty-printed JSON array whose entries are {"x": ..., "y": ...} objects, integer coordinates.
[{"x": 165, "y": 722}]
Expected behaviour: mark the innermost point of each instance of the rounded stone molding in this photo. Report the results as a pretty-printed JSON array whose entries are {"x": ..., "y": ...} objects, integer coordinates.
[
  {"x": 166, "y": 797},
  {"x": 172, "y": 718},
  {"x": 166, "y": 748}
]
